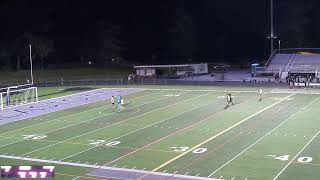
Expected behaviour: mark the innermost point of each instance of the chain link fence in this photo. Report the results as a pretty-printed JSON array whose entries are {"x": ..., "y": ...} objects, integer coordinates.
[{"x": 125, "y": 82}]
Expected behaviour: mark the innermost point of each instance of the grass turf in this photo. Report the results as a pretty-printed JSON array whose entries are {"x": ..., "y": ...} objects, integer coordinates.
[{"x": 177, "y": 131}]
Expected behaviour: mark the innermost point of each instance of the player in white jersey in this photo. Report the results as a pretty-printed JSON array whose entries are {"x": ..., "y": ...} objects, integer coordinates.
[
  {"x": 122, "y": 102},
  {"x": 260, "y": 94},
  {"x": 112, "y": 102}
]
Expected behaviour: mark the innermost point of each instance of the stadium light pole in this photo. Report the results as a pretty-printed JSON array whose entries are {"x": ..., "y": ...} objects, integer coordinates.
[
  {"x": 271, "y": 37},
  {"x": 31, "y": 65}
]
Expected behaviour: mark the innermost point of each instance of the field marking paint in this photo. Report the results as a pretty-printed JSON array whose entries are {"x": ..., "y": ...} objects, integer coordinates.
[
  {"x": 257, "y": 141},
  {"x": 199, "y": 90},
  {"x": 276, "y": 177},
  {"x": 239, "y": 91},
  {"x": 122, "y": 147},
  {"x": 217, "y": 135},
  {"x": 311, "y": 164},
  {"x": 75, "y": 94},
  {"x": 86, "y": 121},
  {"x": 125, "y": 120},
  {"x": 62, "y": 97},
  {"x": 174, "y": 133},
  {"x": 143, "y": 127},
  {"x": 55, "y": 119},
  {"x": 85, "y": 177}
]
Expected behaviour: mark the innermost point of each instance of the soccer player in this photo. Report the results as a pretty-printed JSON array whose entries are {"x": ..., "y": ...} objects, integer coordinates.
[
  {"x": 112, "y": 102},
  {"x": 229, "y": 99},
  {"x": 122, "y": 101},
  {"x": 260, "y": 94},
  {"x": 119, "y": 102}
]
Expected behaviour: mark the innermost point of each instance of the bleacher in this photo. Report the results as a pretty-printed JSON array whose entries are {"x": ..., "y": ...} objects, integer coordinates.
[
  {"x": 305, "y": 63},
  {"x": 294, "y": 63},
  {"x": 279, "y": 62}
]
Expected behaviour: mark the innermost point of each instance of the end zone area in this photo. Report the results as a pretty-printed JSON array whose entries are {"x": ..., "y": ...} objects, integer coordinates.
[
  {"x": 176, "y": 133},
  {"x": 26, "y": 111}
]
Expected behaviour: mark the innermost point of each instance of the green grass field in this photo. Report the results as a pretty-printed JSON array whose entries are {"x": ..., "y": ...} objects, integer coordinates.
[{"x": 188, "y": 132}]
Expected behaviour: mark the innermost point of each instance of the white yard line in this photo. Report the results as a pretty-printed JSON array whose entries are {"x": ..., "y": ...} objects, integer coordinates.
[
  {"x": 55, "y": 119},
  {"x": 256, "y": 142},
  {"x": 296, "y": 155},
  {"x": 87, "y": 121},
  {"x": 174, "y": 133},
  {"x": 201, "y": 90},
  {"x": 110, "y": 125},
  {"x": 124, "y": 135},
  {"x": 217, "y": 135},
  {"x": 285, "y": 91}
]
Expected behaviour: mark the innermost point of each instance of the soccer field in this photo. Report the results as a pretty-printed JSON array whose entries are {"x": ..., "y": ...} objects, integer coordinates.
[{"x": 175, "y": 131}]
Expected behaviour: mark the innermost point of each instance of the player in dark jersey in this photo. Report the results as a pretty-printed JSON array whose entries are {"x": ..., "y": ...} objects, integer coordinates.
[{"x": 229, "y": 100}]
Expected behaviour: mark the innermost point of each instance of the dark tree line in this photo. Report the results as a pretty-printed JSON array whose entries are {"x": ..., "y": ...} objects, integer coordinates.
[{"x": 107, "y": 32}]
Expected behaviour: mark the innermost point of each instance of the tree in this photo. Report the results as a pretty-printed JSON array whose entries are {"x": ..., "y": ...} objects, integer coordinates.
[
  {"x": 109, "y": 43},
  {"x": 182, "y": 35},
  {"x": 42, "y": 47},
  {"x": 19, "y": 50},
  {"x": 5, "y": 58}
]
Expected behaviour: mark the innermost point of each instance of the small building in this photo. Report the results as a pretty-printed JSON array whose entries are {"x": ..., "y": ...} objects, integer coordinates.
[{"x": 170, "y": 71}]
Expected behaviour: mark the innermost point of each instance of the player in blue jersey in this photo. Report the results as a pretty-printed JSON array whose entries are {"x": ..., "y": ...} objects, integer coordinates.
[{"x": 119, "y": 102}]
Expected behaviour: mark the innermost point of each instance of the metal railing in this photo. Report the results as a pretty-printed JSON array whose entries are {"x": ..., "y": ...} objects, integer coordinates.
[
  {"x": 271, "y": 57},
  {"x": 45, "y": 83}
]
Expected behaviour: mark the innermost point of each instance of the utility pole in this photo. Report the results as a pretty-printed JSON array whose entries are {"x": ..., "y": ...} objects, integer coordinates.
[
  {"x": 271, "y": 27},
  {"x": 31, "y": 65}
]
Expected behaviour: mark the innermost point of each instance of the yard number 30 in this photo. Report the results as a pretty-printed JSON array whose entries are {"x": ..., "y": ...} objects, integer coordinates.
[{"x": 183, "y": 149}]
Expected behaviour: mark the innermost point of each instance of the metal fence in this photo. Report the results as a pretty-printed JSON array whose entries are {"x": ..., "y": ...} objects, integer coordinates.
[
  {"x": 246, "y": 83},
  {"x": 124, "y": 82},
  {"x": 82, "y": 82}
]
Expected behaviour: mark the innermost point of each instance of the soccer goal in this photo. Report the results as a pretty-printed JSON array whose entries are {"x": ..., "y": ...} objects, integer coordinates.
[{"x": 14, "y": 96}]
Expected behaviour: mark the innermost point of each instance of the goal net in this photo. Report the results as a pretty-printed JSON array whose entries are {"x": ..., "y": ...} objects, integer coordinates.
[{"x": 14, "y": 96}]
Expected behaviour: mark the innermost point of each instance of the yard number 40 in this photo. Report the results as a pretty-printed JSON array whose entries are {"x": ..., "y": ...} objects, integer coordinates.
[{"x": 300, "y": 160}]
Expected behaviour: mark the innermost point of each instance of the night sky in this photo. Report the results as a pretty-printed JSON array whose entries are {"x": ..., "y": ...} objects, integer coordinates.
[{"x": 154, "y": 31}]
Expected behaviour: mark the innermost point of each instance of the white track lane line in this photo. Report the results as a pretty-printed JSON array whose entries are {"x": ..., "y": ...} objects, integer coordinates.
[{"x": 101, "y": 167}]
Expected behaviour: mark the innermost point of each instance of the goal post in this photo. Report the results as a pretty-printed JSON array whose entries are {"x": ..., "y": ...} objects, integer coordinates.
[
  {"x": 1, "y": 101},
  {"x": 13, "y": 96}
]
